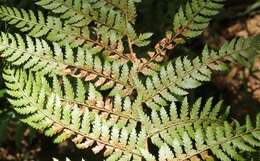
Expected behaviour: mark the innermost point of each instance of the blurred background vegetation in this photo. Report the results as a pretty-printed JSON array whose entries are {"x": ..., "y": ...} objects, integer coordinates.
[{"x": 239, "y": 87}]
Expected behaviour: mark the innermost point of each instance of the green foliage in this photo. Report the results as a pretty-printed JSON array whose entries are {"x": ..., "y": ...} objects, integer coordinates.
[
  {"x": 195, "y": 16},
  {"x": 76, "y": 75},
  {"x": 184, "y": 74},
  {"x": 58, "y": 112},
  {"x": 38, "y": 55},
  {"x": 188, "y": 22},
  {"x": 38, "y": 25}
]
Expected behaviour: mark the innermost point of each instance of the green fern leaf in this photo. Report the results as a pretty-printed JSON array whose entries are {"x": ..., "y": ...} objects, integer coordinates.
[
  {"x": 61, "y": 118},
  {"x": 37, "y": 55},
  {"x": 172, "y": 82},
  {"x": 191, "y": 19}
]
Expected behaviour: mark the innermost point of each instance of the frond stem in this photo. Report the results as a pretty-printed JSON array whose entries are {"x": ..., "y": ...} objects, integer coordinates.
[
  {"x": 88, "y": 105},
  {"x": 182, "y": 123}
]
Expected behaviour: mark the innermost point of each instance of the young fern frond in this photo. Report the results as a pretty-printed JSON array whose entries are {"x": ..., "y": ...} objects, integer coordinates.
[
  {"x": 170, "y": 82},
  {"x": 37, "y": 55}
]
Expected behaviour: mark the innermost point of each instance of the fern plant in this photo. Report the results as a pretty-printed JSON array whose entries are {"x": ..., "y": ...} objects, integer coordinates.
[{"x": 75, "y": 74}]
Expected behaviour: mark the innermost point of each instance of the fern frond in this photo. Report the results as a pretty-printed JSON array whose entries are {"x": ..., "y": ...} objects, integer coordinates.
[
  {"x": 182, "y": 136},
  {"x": 224, "y": 141},
  {"x": 189, "y": 22},
  {"x": 120, "y": 108},
  {"x": 56, "y": 31},
  {"x": 151, "y": 65},
  {"x": 38, "y": 25},
  {"x": 68, "y": 87},
  {"x": 37, "y": 55},
  {"x": 192, "y": 19},
  {"x": 173, "y": 82},
  {"x": 80, "y": 121},
  {"x": 81, "y": 13},
  {"x": 164, "y": 127},
  {"x": 188, "y": 139},
  {"x": 127, "y": 7},
  {"x": 112, "y": 26}
]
